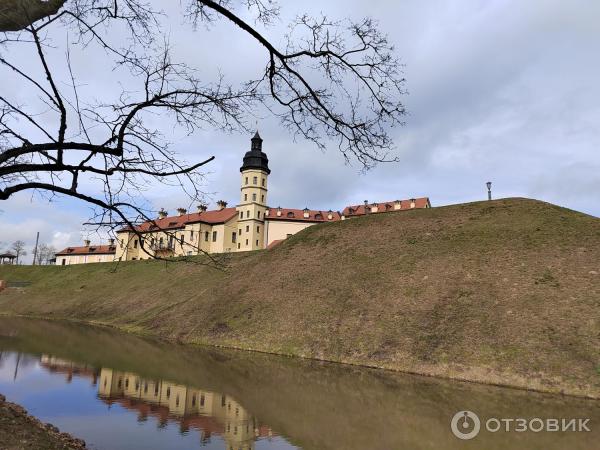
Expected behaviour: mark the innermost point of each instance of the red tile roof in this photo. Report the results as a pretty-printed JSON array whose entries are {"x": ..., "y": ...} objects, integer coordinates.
[
  {"x": 274, "y": 243},
  {"x": 88, "y": 250},
  {"x": 359, "y": 210},
  {"x": 298, "y": 215},
  {"x": 173, "y": 222}
]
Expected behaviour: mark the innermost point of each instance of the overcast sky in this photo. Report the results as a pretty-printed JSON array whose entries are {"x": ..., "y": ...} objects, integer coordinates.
[{"x": 505, "y": 91}]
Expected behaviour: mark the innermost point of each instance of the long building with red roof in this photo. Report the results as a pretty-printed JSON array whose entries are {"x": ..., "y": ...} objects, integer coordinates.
[{"x": 250, "y": 225}]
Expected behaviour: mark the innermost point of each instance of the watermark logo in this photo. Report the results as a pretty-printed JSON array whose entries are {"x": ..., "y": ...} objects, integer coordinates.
[{"x": 465, "y": 425}]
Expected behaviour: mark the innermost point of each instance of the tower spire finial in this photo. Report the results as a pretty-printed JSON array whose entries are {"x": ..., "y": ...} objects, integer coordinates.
[{"x": 256, "y": 142}]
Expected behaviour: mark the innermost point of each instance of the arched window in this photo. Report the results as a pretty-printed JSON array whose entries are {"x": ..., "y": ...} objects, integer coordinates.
[
  {"x": 318, "y": 216},
  {"x": 290, "y": 214}
]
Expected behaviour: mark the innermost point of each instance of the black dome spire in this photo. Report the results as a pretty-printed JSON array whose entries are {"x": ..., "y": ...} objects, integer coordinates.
[{"x": 256, "y": 158}]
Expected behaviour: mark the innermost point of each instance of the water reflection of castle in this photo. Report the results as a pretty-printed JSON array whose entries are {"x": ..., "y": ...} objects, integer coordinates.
[{"x": 209, "y": 412}]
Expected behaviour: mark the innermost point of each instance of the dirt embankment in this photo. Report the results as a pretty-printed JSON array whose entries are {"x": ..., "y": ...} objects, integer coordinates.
[{"x": 20, "y": 431}]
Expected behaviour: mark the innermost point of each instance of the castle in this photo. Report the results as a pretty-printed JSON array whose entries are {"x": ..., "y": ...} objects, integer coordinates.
[{"x": 251, "y": 225}]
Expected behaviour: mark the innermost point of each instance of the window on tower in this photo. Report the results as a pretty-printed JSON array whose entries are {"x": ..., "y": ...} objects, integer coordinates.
[
  {"x": 262, "y": 198},
  {"x": 214, "y": 236},
  {"x": 241, "y": 214},
  {"x": 248, "y": 213},
  {"x": 247, "y": 228},
  {"x": 258, "y": 214},
  {"x": 233, "y": 237},
  {"x": 246, "y": 180},
  {"x": 258, "y": 229},
  {"x": 245, "y": 197},
  {"x": 206, "y": 236},
  {"x": 263, "y": 181},
  {"x": 254, "y": 180},
  {"x": 253, "y": 197}
]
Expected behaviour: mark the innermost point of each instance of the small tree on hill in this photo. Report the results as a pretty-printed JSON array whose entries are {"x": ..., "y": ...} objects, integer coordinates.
[
  {"x": 45, "y": 254},
  {"x": 19, "y": 248}
]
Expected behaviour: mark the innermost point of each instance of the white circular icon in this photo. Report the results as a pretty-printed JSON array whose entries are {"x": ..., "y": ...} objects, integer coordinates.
[{"x": 465, "y": 425}]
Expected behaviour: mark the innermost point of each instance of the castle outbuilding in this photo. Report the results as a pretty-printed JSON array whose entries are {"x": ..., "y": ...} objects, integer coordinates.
[{"x": 251, "y": 225}]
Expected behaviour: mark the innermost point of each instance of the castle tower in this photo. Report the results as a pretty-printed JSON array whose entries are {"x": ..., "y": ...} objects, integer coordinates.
[{"x": 253, "y": 200}]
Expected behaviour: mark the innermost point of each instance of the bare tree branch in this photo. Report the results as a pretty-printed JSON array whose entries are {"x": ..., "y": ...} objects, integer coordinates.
[{"x": 332, "y": 80}]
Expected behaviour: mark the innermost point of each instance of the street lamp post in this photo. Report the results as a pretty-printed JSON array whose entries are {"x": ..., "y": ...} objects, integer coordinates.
[{"x": 489, "y": 188}]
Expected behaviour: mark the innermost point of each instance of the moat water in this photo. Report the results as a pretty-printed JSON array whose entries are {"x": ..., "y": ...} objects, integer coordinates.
[{"x": 119, "y": 391}]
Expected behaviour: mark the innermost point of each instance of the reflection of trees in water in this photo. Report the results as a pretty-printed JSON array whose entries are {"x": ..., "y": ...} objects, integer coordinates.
[{"x": 209, "y": 412}]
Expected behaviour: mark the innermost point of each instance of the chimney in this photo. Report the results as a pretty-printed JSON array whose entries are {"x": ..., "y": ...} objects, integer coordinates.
[
  {"x": 267, "y": 212},
  {"x": 111, "y": 242},
  {"x": 413, "y": 202},
  {"x": 222, "y": 204},
  {"x": 330, "y": 214},
  {"x": 202, "y": 207},
  {"x": 397, "y": 204},
  {"x": 306, "y": 213},
  {"x": 279, "y": 211},
  {"x": 181, "y": 211},
  {"x": 86, "y": 242},
  {"x": 375, "y": 207},
  {"x": 162, "y": 213}
]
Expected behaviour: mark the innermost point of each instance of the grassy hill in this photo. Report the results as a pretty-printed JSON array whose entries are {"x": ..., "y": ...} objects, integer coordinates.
[{"x": 503, "y": 292}]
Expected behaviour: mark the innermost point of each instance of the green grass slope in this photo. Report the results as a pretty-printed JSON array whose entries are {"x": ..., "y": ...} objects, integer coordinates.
[{"x": 503, "y": 292}]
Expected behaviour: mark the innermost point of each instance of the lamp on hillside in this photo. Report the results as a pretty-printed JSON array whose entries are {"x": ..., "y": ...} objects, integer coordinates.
[{"x": 489, "y": 188}]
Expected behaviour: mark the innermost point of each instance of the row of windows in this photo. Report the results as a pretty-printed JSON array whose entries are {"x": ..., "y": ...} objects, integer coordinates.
[
  {"x": 156, "y": 391},
  {"x": 181, "y": 239},
  {"x": 247, "y": 242},
  {"x": 248, "y": 214},
  {"x": 254, "y": 197},
  {"x": 263, "y": 181},
  {"x": 206, "y": 235},
  {"x": 248, "y": 229}
]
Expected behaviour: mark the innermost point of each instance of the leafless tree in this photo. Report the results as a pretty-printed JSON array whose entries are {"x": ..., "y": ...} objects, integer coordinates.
[
  {"x": 19, "y": 248},
  {"x": 330, "y": 80},
  {"x": 45, "y": 254}
]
